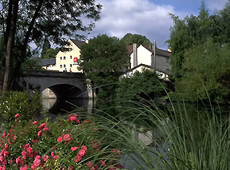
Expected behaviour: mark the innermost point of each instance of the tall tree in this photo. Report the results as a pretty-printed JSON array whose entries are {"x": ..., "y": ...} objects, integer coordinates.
[
  {"x": 129, "y": 39},
  {"x": 46, "y": 45},
  {"x": 104, "y": 59},
  {"x": 207, "y": 70},
  {"x": 187, "y": 33},
  {"x": 50, "y": 53},
  {"x": 33, "y": 20}
]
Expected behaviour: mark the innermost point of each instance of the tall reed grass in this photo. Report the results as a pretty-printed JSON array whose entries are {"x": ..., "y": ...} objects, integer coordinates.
[{"x": 187, "y": 138}]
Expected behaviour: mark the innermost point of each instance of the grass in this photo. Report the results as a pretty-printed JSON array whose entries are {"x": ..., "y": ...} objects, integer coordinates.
[{"x": 188, "y": 138}]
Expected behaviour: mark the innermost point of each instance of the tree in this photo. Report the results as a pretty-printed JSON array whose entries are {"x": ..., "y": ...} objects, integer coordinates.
[
  {"x": 50, "y": 53},
  {"x": 130, "y": 39},
  {"x": 144, "y": 85},
  {"x": 104, "y": 59},
  {"x": 45, "y": 47},
  {"x": 33, "y": 20},
  {"x": 186, "y": 34},
  {"x": 207, "y": 70}
]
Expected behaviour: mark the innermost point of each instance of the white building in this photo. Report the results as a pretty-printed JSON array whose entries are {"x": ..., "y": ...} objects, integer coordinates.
[{"x": 142, "y": 57}]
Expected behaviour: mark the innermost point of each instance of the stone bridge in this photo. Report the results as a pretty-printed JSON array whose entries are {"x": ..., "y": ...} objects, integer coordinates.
[{"x": 64, "y": 85}]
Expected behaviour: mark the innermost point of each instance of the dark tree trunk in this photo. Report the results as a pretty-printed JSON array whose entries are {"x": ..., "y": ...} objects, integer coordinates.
[
  {"x": 11, "y": 27},
  {"x": 28, "y": 33}
]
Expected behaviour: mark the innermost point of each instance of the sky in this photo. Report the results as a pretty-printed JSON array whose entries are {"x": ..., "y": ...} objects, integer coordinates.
[{"x": 149, "y": 18}]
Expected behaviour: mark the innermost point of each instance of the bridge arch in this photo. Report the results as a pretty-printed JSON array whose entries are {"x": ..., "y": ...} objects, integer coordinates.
[{"x": 64, "y": 85}]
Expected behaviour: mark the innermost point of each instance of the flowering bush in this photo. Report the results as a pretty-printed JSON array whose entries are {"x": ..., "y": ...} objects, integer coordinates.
[
  {"x": 14, "y": 102},
  {"x": 65, "y": 144}
]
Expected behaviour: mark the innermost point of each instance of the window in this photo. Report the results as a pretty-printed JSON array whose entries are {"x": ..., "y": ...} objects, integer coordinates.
[
  {"x": 70, "y": 65},
  {"x": 71, "y": 57},
  {"x": 60, "y": 66},
  {"x": 64, "y": 58},
  {"x": 60, "y": 58},
  {"x": 64, "y": 65}
]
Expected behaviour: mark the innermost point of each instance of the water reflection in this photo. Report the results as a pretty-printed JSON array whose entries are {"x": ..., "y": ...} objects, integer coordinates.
[{"x": 58, "y": 106}]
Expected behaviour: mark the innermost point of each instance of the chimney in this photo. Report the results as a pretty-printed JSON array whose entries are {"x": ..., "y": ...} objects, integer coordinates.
[
  {"x": 134, "y": 55},
  {"x": 153, "y": 56}
]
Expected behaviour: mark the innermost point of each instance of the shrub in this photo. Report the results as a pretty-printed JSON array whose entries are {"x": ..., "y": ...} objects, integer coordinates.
[
  {"x": 62, "y": 144},
  {"x": 15, "y": 102}
]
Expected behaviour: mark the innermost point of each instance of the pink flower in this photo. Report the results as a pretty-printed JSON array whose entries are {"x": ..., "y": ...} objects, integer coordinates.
[
  {"x": 35, "y": 122},
  {"x": 59, "y": 139},
  {"x": 16, "y": 116},
  {"x": 39, "y": 133},
  {"x": 6, "y": 153},
  {"x": 2, "y": 167},
  {"x": 37, "y": 161},
  {"x": 24, "y": 154},
  {"x": 90, "y": 164},
  {"x": 4, "y": 134},
  {"x": 84, "y": 147},
  {"x": 52, "y": 154},
  {"x": 45, "y": 129},
  {"x": 45, "y": 158},
  {"x": 77, "y": 158},
  {"x": 66, "y": 136},
  {"x": 55, "y": 157},
  {"x": 1, "y": 158},
  {"x": 74, "y": 148},
  {"x": 6, "y": 146},
  {"x": 72, "y": 118},
  {"x": 26, "y": 146},
  {"x": 102, "y": 162},
  {"x": 86, "y": 121},
  {"x": 18, "y": 160},
  {"x": 42, "y": 125},
  {"x": 29, "y": 150},
  {"x": 24, "y": 167},
  {"x": 81, "y": 152}
]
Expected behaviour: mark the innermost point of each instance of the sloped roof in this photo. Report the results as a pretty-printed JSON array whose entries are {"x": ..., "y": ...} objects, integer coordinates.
[
  {"x": 46, "y": 62},
  {"x": 163, "y": 52},
  {"x": 147, "y": 66},
  {"x": 78, "y": 43}
]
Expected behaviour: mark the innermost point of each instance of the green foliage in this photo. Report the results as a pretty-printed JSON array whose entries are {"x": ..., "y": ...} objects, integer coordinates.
[
  {"x": 130, "y": 39},
  {"x": 45, "y": 47},
  {"x": 15, "y": 102},
  {"x": 50, "y": 53},
  {"x": 191, "y": 67},
  {"x": 189, "y": 32},
  {"x": 145, "y": 85},
  {"x": 103, "y": 60},
  {"x": 205, "y": 67},
  {"x": 61, "y": 144},
  {"x": 34, "y": 23},
  {"x": 32, "y": 64}
]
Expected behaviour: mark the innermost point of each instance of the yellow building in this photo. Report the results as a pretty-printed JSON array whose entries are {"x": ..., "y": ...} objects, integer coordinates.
[{"x": 69, "y": 60}]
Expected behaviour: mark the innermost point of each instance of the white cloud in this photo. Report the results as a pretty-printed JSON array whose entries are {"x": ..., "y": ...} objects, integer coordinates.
[{"x": 120, "y": 17}]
